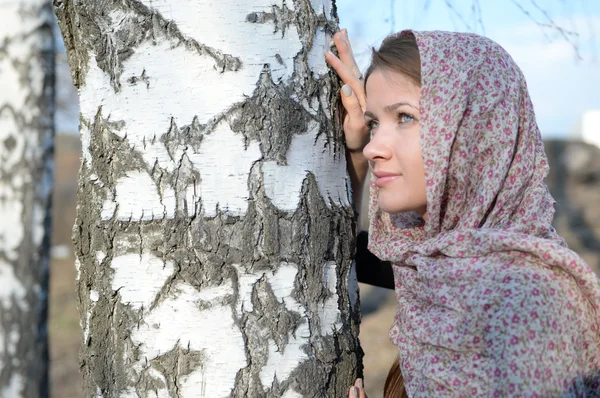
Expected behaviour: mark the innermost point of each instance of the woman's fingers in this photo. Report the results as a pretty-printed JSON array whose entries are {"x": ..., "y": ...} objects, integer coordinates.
[
  {"x": 344, "y": 48},
  {"x": 358, "y": 383},
  {"x": 347, "y": 77},
  {"x": 352, "y": 93},
  {"x": 355, "y": 129},
  {"x": 357, "y": 390},
  {"x": 351, "y": 102},
  {"x": 340, "y": 39},
  {"x": 343, "y": 71}
]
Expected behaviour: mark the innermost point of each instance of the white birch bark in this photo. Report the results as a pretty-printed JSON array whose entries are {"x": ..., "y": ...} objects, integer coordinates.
[
  {"x": 214, "y": 234},
  {"x": 26, "y": 146}
]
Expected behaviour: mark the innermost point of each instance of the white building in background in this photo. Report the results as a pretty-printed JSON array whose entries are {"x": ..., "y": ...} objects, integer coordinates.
[{"x": 590, "y": 127}]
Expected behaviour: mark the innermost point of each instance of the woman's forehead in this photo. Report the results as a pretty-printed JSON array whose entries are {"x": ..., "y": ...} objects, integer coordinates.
[{"x": 386, "y": 86}]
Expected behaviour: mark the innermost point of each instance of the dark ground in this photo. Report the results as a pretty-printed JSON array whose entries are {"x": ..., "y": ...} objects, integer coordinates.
[{"x": 575, "y": 185}]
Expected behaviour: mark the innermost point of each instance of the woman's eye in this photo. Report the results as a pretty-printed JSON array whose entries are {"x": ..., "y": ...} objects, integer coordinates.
[
  {"x": 371, "y": 125},
  {"x": 405, "y": 118}
]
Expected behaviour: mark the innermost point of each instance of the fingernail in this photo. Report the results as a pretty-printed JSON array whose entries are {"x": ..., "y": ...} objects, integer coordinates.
[
  {"x": 346, "y": 90},
  {"x": 354, "y": 392},
  {"x": 360, "y": 383}
]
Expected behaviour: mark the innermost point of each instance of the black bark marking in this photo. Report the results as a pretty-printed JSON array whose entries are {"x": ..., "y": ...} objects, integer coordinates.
[
  {"x": 187, "y": 136},
  {"x": 280, "y": 17},
  {"x": 272, "y": 118},
  {"x": 112, "y": 157},
  {"x": 89, "y": 25},
  {"x": 183, "y": 361},
  {"x": 10, "y": 143},
  {"x": 133, "y": 80}
]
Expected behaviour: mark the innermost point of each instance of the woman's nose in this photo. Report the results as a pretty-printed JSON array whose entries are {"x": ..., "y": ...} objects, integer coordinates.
[{"x": 377, "y": 148}]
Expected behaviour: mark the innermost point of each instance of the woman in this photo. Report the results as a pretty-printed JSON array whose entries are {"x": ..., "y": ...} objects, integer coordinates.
[{"x": 491, "y": 302}]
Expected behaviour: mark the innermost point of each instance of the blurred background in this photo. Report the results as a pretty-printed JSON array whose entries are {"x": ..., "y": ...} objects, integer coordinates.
[{"x": 553, "y": 41}]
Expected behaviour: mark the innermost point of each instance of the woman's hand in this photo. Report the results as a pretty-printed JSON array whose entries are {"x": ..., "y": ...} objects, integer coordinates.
[
  {"x": 354, "y": 102},
  {"x": 352, "y": 93},
  {"x": 357, "y": 390}
]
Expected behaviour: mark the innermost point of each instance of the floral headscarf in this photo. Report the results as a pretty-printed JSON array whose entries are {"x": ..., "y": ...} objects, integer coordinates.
[{"x": 491, "y": 302}]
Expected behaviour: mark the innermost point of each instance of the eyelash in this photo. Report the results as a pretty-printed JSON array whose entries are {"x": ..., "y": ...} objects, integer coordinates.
[
  {"x": 371, "y": 124},
  {"x": 402, "y": 114}
]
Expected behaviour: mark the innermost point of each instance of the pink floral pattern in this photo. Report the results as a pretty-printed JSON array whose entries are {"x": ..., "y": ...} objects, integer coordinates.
[{"x": 491, "y": 302}]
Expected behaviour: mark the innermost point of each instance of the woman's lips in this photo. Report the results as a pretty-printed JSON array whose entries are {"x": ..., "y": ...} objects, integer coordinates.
[
  {"x": 382, "y": 181},
  {"x": 382, "y": 178}
]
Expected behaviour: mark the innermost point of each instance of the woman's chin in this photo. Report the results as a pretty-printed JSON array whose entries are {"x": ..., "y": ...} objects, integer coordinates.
[
  {"x": 395, "y": 207},
  {"x": 391, "y": 208}
]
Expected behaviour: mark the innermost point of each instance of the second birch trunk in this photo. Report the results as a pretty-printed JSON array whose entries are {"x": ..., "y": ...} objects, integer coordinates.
[{"x": 26, "y": 165}]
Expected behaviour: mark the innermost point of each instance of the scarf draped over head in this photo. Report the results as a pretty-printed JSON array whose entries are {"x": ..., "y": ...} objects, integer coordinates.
[{"x": 491, "y": 302}]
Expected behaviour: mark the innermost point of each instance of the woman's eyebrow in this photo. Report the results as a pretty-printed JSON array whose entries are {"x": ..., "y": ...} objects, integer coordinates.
[
  {"x": 390, "y": 108},
  {"x": 393, "y": 107}
]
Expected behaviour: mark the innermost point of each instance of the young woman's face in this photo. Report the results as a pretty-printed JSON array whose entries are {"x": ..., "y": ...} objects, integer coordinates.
[{"x": 394, "y": 151}]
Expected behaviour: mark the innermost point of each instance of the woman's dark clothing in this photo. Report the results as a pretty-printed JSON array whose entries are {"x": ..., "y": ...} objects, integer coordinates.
[{"x": 370, "y": 269}]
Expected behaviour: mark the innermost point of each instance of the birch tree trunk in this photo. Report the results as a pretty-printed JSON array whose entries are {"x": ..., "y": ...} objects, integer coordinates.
[
  {"x": 213, "y": 233},
  {"x": 26, "y": 148}
]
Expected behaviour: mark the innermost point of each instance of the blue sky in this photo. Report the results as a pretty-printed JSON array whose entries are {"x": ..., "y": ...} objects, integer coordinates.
[{"x": 562, "y": 86}]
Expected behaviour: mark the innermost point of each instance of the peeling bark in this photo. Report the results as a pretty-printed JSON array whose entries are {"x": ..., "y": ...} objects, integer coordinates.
[
  {"x": 26, "y": 148},
  {"x": 214, "y": 233}
]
